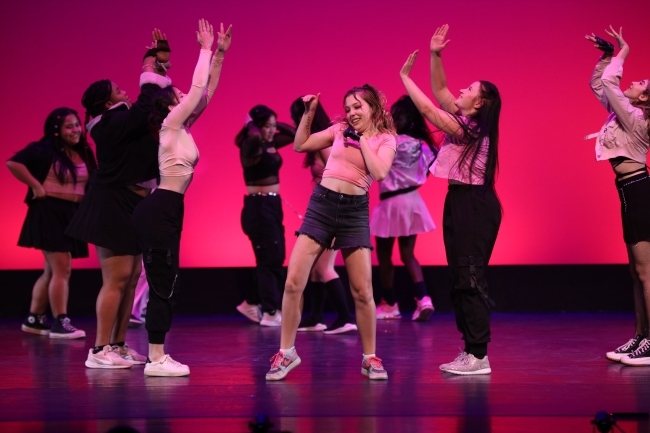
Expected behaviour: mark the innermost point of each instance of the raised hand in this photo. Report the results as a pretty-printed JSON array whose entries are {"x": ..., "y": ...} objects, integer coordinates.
[
  {"x": 606, "y": 47},
  {"x": 224, "y": 39},
  {"x": 438, "y": 42},
  {"x": 311, "y": 102},
  {"x": 406, "y": 69},
  {"x": 618, "y": 36},
  {"x": 161, "y": 44},
  {"x": 205, "y": 35}
]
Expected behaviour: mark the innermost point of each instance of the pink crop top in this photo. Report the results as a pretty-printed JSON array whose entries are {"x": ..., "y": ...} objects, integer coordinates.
[
  {"x": 346, "y": 162},
  {"x": 447, "y": 164},
  {"x": 52, "y": 185}
]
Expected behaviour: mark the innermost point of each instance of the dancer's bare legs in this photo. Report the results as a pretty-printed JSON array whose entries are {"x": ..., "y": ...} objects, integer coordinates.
[
  {"x": 358, "y": 265},
  {"x": 303, "y": 256}
]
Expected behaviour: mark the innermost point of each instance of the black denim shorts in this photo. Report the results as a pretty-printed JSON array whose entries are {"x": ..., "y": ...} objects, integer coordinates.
[{"x": 337, "y": 220}]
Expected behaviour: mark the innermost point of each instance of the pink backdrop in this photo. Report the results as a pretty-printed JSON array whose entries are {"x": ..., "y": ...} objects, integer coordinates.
[{"x": 560, "y": 205}]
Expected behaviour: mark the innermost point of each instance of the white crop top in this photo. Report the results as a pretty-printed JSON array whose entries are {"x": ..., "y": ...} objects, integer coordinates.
[{"x": 178, "y": 154}]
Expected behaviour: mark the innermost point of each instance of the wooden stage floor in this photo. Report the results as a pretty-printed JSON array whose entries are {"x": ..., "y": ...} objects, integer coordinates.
[{"x": 550, "y": 374}]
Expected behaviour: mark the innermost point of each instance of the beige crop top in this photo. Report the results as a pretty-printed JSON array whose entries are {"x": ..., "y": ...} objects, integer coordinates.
[
  {"x": 52, "y": 185},
  {"x": 178, "y": 154}
]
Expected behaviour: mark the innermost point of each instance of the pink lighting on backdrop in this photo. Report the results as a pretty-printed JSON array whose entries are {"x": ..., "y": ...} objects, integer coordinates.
[{"x": 560, "y": 206}]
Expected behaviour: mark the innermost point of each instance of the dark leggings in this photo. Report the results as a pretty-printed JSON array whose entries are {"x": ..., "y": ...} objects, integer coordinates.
[
  {"x": 158, "y": 221},
  {"x": 471, "y": 221},
  {"x": 261, "y": 220}
]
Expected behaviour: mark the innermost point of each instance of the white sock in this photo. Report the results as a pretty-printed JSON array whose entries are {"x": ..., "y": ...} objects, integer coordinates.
[
  {"x": 289, "y": 351},
  {"x": 368, "y": 356}
]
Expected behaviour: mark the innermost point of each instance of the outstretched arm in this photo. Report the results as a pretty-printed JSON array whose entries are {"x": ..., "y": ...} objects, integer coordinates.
[
  {"x": 441, "y": 119},
  {"x": 438, "y": 79},
  {"x": 305, "y": 141},
  {"x": 183, "y": 110}
]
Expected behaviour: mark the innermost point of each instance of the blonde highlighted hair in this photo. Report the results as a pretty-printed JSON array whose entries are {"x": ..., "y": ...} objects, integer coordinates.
[{"x": 380, "y": 116}]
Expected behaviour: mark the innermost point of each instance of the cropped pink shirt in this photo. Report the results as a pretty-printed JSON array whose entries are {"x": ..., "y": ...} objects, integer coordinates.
[
  {"x": 346, "y": 161},
  {"x": 447, "y": 165}
]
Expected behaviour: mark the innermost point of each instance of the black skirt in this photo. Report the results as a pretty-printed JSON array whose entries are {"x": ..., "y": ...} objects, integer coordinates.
[
  {"x": 634, "y": 193},
  {"x": 104, "y": 219},
  {"x": 45, "y": 224}
]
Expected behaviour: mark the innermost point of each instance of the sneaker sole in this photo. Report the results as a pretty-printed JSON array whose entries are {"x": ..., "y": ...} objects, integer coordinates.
[
  {"x": 374, "y": 376},
  {"x": 71, "y": 336},
  {"x": 644, "y": 362},
  {"x": 134, "y": 362},
  {"x": 318, "y": 328},
  {"x": 90, "y": 364},
  {"x": 615, "y": 357},
  {"x": 341, "y": 330},
  {"x": 270, "y": 324},
  {"x": 290, "y": 367},
  {"x": 470, "y": 373},
  {"x": 166, "y": 373},
  {"x": 424, "y": 315},
  {"x": 391, "y": 317},
  {"x": 35, "y": 331}
]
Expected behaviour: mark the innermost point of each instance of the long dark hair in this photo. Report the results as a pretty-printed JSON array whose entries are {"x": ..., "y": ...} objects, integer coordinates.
[
  {"x": 320, "y": 123},
  {"x": 645, "y": 106},
  {"x": 62, "y": 164},
  {"x": 95, "y": 98},
  {"x": 409, "y": 121},
  {"x": 381, "y": 118},
  {"x": 161, "y": 102},
  {"x": 260, "y": 114},
  {"x": 484, "y": 125}
]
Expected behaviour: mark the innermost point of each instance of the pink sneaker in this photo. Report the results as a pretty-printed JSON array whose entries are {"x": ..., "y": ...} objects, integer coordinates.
[
  {"x": 423, "y": 310},
  {"x": 388, "y": 312}
]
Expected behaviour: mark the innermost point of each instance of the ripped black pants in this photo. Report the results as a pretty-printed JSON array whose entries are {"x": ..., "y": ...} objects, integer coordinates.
[
  {"x": 158, "y": 221},
  {"x": 470, "y": 226},
  {"x": 261, "y": 220}
]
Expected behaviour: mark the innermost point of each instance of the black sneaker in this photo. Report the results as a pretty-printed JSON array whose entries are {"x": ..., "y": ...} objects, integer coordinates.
[
  {"x": 640, "y": 357},
  {"x": 62, "y": 328},
  {"x": 340, "y": 327},
  {"x": 311, "y": 325},
  {"x": 36, "y": 324},
  {"x": 626, "y": 349}
]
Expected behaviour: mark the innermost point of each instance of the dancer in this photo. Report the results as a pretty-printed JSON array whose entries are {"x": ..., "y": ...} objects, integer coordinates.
[
  {"x": 127, "y": 156},
  {"x": 624, "y": 141},
  {"x": 363, "y": 148},
  {"x": 401, "y": 212},
  {"x": 468, "y": 158},
  {"x": 261, "y": 218},
  {"x": 56, "y": 170},
  {"x": 323, "y": 277},
  {"x": 158, "y": 219}
]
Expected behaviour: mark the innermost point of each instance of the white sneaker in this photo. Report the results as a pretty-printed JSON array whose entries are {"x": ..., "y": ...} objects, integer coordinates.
[
  {"x": 251, "y": 311},
  {"x": 271, "y": 319},
  {"x": 469, "y": 365},
  {"x": 107, "y": 358},
  {"x": 387, "y": 312},
  {"x": 166, "y": 367},
  {"x": 130, "y": 355},
  {"x": 424, "y": 309}
]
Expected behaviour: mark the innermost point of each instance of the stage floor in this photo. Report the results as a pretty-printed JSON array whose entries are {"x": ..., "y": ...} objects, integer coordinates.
[{"x": 549, "y": 374}]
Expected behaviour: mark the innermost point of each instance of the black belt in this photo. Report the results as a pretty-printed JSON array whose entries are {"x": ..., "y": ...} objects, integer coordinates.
[{"x": 389, "y": 194}]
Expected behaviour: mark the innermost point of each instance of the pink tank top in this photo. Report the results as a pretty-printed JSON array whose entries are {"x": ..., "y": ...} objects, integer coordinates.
[{"x": 346, "y": 162}]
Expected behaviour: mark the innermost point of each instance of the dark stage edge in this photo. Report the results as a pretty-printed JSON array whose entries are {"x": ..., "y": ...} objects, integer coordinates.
[
  {"x": 206, "y": 291},
  {"x": 549, "y": 374}
]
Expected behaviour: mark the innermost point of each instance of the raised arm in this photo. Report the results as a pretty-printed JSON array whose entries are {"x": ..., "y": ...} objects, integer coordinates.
[
  {"x": 286, "y": 135},
  {"x": 438, "y": 79},
  {"x": 441, "y": 119},
  {"x": 305, "y": 141},
  {"x": 626, "y": 113},
  {"x": 596, "y": 82},
  {"x": 182, "y": 111}
]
